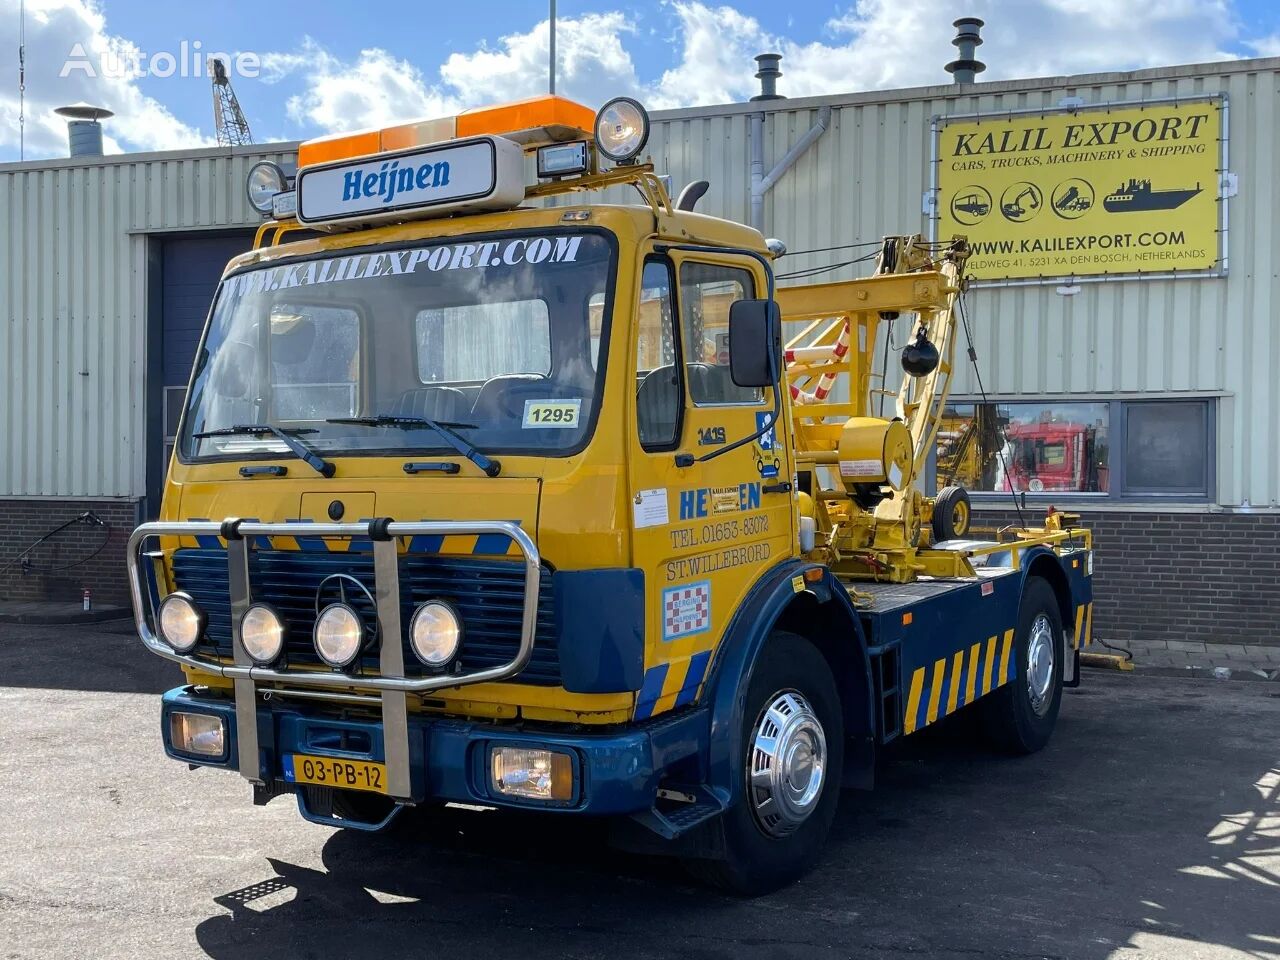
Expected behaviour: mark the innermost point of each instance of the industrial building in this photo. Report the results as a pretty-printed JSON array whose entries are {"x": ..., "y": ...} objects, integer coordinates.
[{"x": 1144, "y": 399}]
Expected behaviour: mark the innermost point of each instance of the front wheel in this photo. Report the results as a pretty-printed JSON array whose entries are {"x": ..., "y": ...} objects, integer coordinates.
[
  {"x": 792, "y": 746},
  {"x": 1021, "y": 715}
]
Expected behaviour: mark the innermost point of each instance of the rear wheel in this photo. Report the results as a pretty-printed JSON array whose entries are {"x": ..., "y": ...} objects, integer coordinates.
[
  {"x": 793, "y": 751},
  {"x": 1021, "y": 715},
  {"x": 952, "y": 514}
]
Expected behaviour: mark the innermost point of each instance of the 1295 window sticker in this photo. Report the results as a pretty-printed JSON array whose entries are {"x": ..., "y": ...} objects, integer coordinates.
[{"x": 551, "y": 414}]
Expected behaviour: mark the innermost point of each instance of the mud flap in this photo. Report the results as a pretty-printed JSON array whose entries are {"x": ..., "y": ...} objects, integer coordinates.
[{"x": 1070, "y": 662}]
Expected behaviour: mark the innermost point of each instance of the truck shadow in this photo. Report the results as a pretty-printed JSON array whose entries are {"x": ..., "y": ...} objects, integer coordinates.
[{"x": 1071, "y": 853}]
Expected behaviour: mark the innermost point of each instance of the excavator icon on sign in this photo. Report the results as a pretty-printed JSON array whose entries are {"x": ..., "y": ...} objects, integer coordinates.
[{"x": 1021, "y": 201}]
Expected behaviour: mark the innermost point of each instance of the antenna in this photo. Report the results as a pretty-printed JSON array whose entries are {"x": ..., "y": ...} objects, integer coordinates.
[
  {"x": 228, "y": 118},
  {"x": 22, "y": 79},
  {"x": 551, "y": 57}
]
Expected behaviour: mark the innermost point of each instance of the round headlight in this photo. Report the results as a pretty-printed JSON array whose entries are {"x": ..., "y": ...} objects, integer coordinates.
[
  {"x": 339, "y": 635},
  {"x": 180, "y": 621},
  {"x": 622, "y": 129},
  {"x": 262, "y": 633},
  {"x": 435, "y": 633},
  {"x": 265, "y": 180}
]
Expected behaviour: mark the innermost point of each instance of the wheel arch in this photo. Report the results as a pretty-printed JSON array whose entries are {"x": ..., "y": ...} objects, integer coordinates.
[
  {"x": 1045, "y": 565},
  {"x": 821, "y": 612}
]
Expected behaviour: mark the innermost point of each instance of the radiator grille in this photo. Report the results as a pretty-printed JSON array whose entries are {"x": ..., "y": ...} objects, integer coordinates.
[{"x": 488, "y": 594}]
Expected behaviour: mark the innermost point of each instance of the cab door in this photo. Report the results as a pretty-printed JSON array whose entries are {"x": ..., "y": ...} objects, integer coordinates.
[{"x": 705, "y": 532}]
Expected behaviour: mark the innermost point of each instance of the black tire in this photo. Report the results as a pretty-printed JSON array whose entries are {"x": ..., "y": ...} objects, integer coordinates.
[
  {"x": 1009, "y": 716},
  {"x": 952, "y": 514},
  {"x": 757, "y": 862}
]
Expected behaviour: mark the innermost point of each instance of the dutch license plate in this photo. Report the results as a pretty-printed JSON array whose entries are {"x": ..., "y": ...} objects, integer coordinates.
[{"x": 336, "y": 772}]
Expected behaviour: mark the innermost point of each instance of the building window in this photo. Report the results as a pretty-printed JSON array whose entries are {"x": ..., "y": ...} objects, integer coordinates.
[
  {"x": 1166, "y": 448},
  {"x": 1093, "y": 449}
]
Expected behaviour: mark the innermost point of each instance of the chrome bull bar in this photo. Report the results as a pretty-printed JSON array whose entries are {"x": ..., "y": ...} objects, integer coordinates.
[{"x": 391, "y": 682}]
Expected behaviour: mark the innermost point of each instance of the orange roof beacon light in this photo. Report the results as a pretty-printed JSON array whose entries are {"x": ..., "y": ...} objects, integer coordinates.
[{"x": 471, "y": 162}]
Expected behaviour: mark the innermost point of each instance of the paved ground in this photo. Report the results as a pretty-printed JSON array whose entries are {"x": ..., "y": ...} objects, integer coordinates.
[
  {"x": 1234, "y": 661},
  {"x": 1149, "y": 828}
]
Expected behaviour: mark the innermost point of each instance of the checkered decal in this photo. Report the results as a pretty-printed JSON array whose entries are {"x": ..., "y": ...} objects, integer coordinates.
[{"x": 686, "y": 610}]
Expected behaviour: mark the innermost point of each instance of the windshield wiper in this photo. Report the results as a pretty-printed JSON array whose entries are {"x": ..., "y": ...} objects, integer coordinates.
[
  {"x": 288, "y": 437},
  {"x": 445, "y": 428}
]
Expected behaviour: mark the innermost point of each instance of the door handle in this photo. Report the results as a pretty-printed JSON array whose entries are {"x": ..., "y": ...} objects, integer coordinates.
[{"x": 783, "y": 486}]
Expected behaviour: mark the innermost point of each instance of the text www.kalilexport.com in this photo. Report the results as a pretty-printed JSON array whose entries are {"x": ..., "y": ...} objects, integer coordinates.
[{"x": 1104, "y": 241}]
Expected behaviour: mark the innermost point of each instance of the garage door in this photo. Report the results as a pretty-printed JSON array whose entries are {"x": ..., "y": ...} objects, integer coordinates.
[{"x": 191, "y": 268}]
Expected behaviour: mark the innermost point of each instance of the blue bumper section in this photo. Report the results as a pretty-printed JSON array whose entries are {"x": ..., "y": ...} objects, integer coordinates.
[{"x": 615, "y": 773}]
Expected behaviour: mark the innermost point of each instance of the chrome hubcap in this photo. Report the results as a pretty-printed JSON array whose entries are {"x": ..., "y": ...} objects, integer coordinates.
[
  {"x": 1041, "y": 650},
  {"x": 788, "y": 764}
]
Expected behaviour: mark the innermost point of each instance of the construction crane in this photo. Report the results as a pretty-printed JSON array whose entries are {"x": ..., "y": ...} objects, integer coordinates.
[{"x": 228, "y": 118}]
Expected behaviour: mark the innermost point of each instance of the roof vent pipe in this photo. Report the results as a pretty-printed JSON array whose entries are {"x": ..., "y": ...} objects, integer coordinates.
[
  {"x": 84, "y": 132},
  {"x": 968, "y": 39},
  {"x": 768, "y": 75}
]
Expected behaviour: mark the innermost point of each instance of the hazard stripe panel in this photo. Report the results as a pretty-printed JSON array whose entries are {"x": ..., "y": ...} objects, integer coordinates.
[{"x": 944, "y": 686}]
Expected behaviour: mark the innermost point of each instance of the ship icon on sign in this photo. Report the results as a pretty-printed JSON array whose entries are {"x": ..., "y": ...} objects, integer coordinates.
[{"x": 1138, "y": 196}]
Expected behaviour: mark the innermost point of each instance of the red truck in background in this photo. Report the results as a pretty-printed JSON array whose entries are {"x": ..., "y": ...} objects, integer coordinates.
[{"x": 1048, "y": 457}]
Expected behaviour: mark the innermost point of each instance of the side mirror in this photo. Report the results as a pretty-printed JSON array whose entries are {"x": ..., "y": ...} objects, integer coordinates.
[{"x": 755, "y": 342}]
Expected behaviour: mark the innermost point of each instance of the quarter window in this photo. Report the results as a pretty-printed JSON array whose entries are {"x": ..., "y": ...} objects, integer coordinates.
[{"x": 659, "y": 398}]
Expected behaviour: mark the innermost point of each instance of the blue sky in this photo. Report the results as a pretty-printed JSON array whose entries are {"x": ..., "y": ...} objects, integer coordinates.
[{"x": 329, "y": 66}]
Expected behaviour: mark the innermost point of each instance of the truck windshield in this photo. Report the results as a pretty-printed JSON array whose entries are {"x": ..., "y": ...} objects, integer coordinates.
[{"x": 499, "y": 338}]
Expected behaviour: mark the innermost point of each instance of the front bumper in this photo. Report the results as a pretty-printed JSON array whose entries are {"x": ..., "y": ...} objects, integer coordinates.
[
  {"x": 389, "y": 689},
  {"x": 614, "y": 773}
]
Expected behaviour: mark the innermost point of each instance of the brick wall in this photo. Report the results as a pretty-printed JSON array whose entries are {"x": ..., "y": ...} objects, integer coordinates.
[
  {"x": 82, "y": 555},
  {"x": 1211, "y": 577}
]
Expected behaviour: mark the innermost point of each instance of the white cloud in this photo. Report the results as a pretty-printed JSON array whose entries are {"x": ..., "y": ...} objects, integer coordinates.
[
  {"x": 54, "y": 27},
  {"x": 1266, "y": 46},
  {"x": 872, "y": 44},
  {"x": 878, "y": 44},
  {"x": 593, "y": 63},
  {"x": 375, "y": 89},
  {"x": 869, "y": 44}
]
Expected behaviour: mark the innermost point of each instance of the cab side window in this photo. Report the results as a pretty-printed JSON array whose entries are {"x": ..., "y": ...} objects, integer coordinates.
[
  {"x": 706, "y": 292},
  {"x": 659, "y": 394}
]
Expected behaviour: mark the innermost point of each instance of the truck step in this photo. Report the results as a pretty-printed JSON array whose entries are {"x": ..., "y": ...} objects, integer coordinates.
[{"x": 677, "y": 818}]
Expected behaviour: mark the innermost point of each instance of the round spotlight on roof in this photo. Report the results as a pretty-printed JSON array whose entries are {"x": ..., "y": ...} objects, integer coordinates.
[
  {"x": 265, "y": 180},
  {"x": 622, "y": 129}
]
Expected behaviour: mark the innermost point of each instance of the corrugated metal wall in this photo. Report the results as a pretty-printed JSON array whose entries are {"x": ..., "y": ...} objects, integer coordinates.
[
  {"x": 73, "y": 308},
  {"x": 868, "y": 174},
  {"x": 73, "y": 284}
]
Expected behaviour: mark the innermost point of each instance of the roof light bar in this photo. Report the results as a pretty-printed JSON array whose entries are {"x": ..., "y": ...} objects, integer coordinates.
[{"x": 532, "y": 122}]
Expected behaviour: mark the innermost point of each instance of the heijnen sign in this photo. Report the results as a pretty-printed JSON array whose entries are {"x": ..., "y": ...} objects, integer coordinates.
[
  {"x": 1098, "y": 191},
  {"x": 485, "y": 173}
]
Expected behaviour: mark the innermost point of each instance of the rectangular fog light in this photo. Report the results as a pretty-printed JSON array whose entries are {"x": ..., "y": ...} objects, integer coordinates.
[
  {"x": 198, "y": 733},
  {"x": 531, "y": 774},
  {"x": 562, "y": 159}
]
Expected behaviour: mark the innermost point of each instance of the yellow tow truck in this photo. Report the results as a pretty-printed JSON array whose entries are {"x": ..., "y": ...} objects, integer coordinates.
[{"x": 487, "y": 494}]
